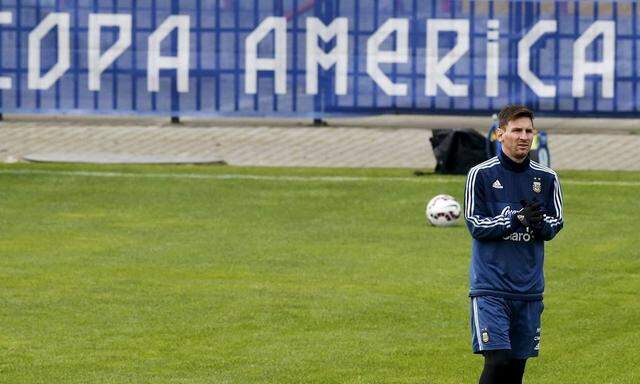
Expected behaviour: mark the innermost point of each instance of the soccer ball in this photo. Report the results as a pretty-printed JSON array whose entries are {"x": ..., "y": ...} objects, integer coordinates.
[{"x": 443, "y": 211}]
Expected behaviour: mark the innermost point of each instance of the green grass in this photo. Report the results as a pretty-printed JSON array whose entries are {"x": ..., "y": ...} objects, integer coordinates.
[{"x": 172, "y": 279}]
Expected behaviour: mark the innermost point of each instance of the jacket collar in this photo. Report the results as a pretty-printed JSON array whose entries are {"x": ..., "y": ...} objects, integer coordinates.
[{"x": 512, "y": 165}]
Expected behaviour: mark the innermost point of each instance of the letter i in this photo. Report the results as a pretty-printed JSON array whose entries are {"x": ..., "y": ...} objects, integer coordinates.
[{"x": 493, "y": 57}]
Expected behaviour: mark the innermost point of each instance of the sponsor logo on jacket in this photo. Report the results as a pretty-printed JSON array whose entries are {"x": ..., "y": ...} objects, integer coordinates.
[{"x": 519, "y": 236}]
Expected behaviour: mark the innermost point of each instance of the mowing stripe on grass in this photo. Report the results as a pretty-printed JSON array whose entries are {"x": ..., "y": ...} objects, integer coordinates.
[
  {"x": 428, "y": 179},
  {"x": 228, "y": 176}
]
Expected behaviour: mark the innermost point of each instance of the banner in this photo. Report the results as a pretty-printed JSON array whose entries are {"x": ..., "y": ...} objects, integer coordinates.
[{"x": 316, "y": 58}]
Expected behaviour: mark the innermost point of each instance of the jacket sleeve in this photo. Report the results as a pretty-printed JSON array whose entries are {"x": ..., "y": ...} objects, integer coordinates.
[
  {"x": 553, "y": 222},
  {"x": 481, "y": 225}
]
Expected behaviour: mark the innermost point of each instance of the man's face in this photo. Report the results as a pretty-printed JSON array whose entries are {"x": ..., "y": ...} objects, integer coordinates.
[{"x": 516, "y": 138}]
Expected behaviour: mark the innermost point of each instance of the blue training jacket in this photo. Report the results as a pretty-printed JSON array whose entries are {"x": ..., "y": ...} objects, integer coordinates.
[{"x": 506, "y": 258}]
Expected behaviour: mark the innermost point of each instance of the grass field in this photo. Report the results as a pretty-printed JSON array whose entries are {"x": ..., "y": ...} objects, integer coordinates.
[{"x": 143, "y": 274}]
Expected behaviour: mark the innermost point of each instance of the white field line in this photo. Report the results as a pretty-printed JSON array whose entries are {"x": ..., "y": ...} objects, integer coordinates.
[{"x": 201, "y": 176}]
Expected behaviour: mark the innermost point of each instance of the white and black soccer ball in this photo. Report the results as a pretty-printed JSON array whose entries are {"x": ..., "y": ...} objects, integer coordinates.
[{"x": 443, "y": 211}]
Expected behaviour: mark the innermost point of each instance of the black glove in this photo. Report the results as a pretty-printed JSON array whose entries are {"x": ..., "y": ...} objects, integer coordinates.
[{"x": 530, "y": 215}]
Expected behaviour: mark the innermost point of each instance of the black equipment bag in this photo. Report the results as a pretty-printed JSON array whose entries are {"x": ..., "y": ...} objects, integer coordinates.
[{"x": 457, "y": 150}]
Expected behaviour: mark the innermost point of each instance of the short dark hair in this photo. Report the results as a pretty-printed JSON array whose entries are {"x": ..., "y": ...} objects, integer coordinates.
[{"x": 511, "y": 112}]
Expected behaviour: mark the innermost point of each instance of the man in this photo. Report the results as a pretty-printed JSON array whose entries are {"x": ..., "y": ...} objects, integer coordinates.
[{"x": 512, "y": 206}]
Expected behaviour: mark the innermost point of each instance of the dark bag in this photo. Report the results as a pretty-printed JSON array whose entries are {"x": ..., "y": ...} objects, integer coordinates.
[{"x": 457, "y": 150}]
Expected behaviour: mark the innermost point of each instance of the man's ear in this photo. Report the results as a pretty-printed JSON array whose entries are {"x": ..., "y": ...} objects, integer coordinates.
[{"x": 499, "y": 133}]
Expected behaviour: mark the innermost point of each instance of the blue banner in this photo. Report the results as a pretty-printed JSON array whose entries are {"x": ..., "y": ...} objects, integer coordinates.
[{"x": 317, "y": 58}]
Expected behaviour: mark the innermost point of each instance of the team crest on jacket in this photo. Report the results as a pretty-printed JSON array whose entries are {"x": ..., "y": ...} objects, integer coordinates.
[
  {"x": 537, "y": 185},
  {"x": 485, "y": 336}
]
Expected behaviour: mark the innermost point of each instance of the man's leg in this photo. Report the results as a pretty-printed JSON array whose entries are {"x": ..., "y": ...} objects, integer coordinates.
[
  {"x": 516, "y": 371},
  {"x": 525, "y": 335},
  {"x": 490, "y": 336},
  {"x": 496, "y": 367}
]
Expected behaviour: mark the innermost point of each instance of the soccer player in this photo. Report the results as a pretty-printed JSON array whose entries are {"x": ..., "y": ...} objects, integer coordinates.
[{"x": 512, "y": 206}]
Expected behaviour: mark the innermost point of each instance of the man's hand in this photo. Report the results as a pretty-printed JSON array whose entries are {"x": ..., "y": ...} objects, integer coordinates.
[{"x": 530, "y": 215}]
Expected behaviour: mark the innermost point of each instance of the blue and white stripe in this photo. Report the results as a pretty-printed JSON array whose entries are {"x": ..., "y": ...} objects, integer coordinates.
[
  {"x": 469, "y": 199},
  {"x": 476, "y": 323}
]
